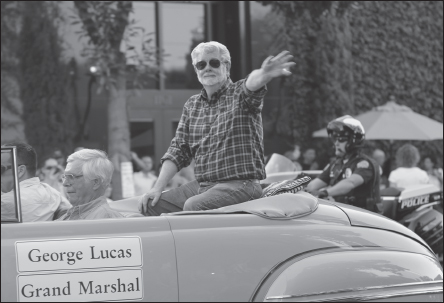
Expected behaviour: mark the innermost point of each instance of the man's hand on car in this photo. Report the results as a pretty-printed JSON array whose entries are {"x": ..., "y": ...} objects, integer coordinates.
[{"x": 154, "y": 195}]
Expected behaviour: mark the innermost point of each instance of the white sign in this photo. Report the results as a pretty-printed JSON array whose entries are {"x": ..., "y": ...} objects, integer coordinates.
[
  {"x": 73, "y": 254},
  {"x": 415, "y": 201},
  {"x": 126, "y": 171},
  {"x": 81, "y": 286}
]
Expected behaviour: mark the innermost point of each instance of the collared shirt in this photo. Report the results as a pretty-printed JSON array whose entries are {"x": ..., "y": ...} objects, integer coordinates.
[
  {"x": 39, "y": 202},
  {"x": 96, "y": 209},
  {"x": 224, "y": 135}
]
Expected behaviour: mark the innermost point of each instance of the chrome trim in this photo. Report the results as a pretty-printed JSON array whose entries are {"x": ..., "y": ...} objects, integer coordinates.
[
  {"x": 18, "y": 204},
  {"x": 389, "y": 198},
  {"x": 427, "y": 205},
  {"x": 378, "y": 297},
  {"x": 435, "y": 289}
]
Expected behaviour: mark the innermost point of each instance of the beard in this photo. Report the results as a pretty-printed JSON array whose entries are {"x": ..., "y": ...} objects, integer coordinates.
[{"x": 212, "y": 80}]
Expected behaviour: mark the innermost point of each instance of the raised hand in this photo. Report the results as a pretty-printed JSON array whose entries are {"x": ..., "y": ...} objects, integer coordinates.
[{"x": 278, "y": 66}]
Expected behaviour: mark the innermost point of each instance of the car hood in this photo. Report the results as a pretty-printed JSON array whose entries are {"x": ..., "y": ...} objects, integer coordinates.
[{"x": 365, "y": 218}]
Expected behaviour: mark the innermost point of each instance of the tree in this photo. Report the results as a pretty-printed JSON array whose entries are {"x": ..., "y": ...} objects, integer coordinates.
[
  {"x": 352, "y": 56},
  {"x": 44, "y": 80},
  {"x": 319, "y": 35},
  {"x": 11, "y": 106},
  {"x": 108, "y": 26}
]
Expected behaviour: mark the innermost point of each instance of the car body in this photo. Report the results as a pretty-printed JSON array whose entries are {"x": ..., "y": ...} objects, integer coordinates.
[{"x": 290, "y": 247}]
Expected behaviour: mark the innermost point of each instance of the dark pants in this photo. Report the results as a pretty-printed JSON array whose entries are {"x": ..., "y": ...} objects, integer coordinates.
[{"x": 193, "y": 196}]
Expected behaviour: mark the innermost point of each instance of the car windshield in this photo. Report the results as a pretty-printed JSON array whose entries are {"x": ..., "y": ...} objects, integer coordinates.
[{"x": 10, "y": 212}]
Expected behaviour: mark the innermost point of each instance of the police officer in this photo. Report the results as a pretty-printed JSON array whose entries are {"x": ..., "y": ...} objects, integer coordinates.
[{"x": 352, "y": 177}]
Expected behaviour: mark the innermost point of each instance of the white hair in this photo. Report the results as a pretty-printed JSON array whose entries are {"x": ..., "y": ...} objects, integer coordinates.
[
  {"x": 209, "y": 47},
  {"x": 95, "y": 165}
]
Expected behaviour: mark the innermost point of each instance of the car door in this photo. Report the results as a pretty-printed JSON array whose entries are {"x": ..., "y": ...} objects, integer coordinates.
[{"x": 89, "y": 260}]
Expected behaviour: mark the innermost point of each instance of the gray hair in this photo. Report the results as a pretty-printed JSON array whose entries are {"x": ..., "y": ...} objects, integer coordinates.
[
  {"x": 209, "y": 47},
  {"x": 95, "y": 165},
  {"x": 407, "y": 156}
]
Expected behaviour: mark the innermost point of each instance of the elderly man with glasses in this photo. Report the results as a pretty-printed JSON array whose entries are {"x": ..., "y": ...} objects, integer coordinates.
[
  {"x": 87, "y": 176},
  {"x": 39, "y": 201},
  {"x": 221, "y": 129}
]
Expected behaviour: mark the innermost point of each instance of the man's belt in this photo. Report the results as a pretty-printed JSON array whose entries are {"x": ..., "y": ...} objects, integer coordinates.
[{"x": 209, "y": 183}]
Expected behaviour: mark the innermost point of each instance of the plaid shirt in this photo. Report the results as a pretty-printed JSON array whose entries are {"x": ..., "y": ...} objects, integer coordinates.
[{"x": 224, "y": 135}]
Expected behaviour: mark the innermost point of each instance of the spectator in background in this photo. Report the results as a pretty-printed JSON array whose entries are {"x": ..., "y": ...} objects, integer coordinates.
[
  {"x": 407, "y": 173},
  {"x": 145, "y": 179},
  {"x": 60, "y": 157},
  {"x": 87, "y": 176},
  {"x": 309, "y": 160},
  {"x": 294, "y": 155},
  {"x": 39, "y": 201},
  {"x": 51, "y": 174},
  {"x": 435, "y": 173},
  {"x": 379, "y": 156}
]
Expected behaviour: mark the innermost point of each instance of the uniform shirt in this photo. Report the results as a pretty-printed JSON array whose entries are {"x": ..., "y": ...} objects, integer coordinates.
[
  {"x": 143, "y": 183},
  {"x": 39, "y": 202},
  {"x": 224, "y": 135},
  {"x": 361, "y": 165},
  {"x": 96, "y": 209},
  {"x": 408, "y": 176}
]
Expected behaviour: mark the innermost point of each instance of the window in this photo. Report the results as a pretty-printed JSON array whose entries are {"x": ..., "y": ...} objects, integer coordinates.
[
  {"x": 179, "y": 39},
  {"x": 144, "y": 15}
]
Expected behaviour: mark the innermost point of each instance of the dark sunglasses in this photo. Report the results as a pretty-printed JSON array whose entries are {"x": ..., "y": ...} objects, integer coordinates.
[
  {"x": 340, "y": 139},
  {"x": 213, "y": 63}
]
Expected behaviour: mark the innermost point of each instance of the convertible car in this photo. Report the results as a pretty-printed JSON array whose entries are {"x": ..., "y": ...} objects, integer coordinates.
[{"x": 286, "y": 248}]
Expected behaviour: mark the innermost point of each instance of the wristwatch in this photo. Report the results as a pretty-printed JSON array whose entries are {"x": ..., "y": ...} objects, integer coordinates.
[{"x": 323, "y": 193}]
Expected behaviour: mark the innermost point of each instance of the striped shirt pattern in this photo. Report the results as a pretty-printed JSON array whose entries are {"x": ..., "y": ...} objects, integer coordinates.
[{"x": 224, "y": 135}]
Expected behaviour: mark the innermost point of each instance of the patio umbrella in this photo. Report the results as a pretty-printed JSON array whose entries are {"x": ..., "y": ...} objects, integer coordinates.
[{"x": 392, "y": 121}]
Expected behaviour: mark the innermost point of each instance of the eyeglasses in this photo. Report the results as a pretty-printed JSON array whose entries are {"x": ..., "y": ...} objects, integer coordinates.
[
  {"x": 8, "y": 167},
  {"x": 213, "y": 63},
  {"x": 70, "y": 177}
]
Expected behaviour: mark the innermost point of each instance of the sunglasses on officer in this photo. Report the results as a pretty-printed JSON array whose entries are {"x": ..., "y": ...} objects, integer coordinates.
[
  {"x": 340, "y": 139},
  {"x": 215, "y": 63}
]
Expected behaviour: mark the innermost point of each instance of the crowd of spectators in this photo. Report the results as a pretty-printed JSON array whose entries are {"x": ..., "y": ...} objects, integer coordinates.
[
  {"x": 409, "y": 168},
  {"x": 52, "y": 192}
]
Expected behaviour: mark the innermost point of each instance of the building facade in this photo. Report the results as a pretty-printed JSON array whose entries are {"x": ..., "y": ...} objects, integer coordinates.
[{"x": 175, "y": 27}]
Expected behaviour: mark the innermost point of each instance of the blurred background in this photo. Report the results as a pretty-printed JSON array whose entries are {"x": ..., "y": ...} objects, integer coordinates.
[{"x": 115, "y": 75}]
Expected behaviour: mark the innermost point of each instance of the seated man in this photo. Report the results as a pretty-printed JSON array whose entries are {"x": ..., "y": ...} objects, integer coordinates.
[
  {"x": 87, "y": 176},
  {"x": 39, "y": 201}
]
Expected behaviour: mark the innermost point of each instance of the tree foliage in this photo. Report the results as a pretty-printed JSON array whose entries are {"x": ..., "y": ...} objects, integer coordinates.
[
  {"x": 110, "y": 33},
  {"x": 11, "y": 106},
  {"x": 44, "y": 79},
  {"x": 352, "y": 56},
  {"x": 108, "y": 26}
]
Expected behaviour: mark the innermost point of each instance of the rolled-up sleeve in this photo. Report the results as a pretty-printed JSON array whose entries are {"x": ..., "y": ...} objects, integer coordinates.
[
  {"x": 252, "y": 100},
  {"x": 179, "y": 151}
]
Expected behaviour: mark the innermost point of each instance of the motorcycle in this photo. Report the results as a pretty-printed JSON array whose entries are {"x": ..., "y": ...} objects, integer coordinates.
[{"x": 419, "y": 208}]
